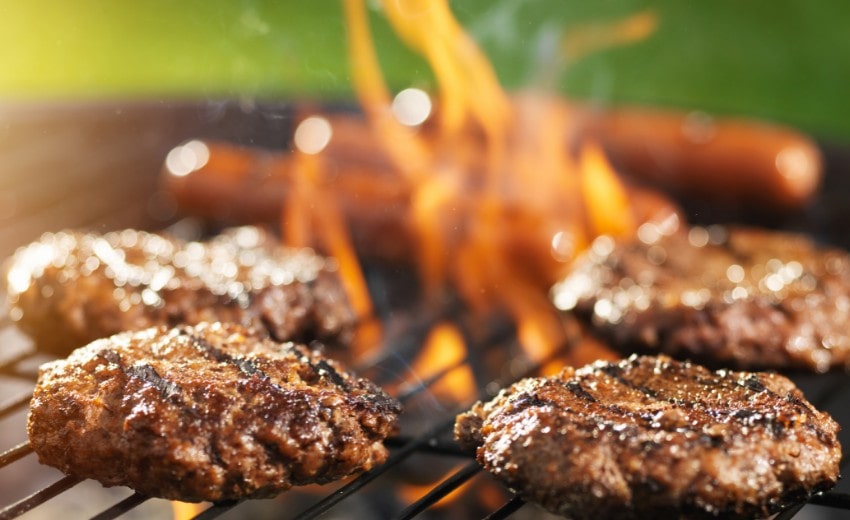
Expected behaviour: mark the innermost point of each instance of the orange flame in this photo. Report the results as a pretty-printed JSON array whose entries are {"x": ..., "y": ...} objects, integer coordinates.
[
  {"x": 409, "y": 493},
  {"x": 187, "y": 510},
  {"x": 442, "y": 358},
  {"x": 584, "y": 40},
  {"x": 499, "y": 205},
  {"x": 312, "y": 210},
  {"x": 606, "y": 200}
]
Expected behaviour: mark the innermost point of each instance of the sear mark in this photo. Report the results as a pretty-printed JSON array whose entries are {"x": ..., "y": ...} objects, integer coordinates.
[
  {"x": 322, "y": 367},
  {"x": 149, "y": 375},
  {"x": 579, "y": 391}
]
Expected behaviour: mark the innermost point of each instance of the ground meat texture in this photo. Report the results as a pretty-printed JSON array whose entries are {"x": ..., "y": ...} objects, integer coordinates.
[
  {"x": 69, "y": 288},
  {"x": 650, "y": 437},
  {"x": 740, "y": 298},
  {"x": 206, "y": 413}
]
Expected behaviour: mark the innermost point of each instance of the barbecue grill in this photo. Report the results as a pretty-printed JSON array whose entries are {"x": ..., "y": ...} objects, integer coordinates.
[{"x": 427, "y": 474}]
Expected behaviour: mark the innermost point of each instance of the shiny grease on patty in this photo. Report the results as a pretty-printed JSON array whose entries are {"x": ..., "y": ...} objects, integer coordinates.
[
  {"x": 70, "y": 288},
  {"x": 206, "y": 413},
  {"x": 650, "y": 437},
  {"x": 725, "y": 297}
]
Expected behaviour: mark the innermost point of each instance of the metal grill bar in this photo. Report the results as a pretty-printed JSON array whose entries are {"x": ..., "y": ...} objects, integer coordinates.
[
  {"x": 435, "y": 446},
  {"x": 14, "y": 404},
  {"x": 215, "y": 510},
  {"x": 39, "y": 497},
  {"x": 418, "y": 444},
  {"x": 121, "y": 507},
  {"x": 791, "y": 512},
  {"x": 12, "y": 454},
  {"x": 832, "y": 499},
  {"x": 419, "y": 387},
  {"x": 441, "y": 490},
  {"x": 8, "y": 365},
  {"x": 396, "y": 458},
  {"x": 510, "y": 507}
]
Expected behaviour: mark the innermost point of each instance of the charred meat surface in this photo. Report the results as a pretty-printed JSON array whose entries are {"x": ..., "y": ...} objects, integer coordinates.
[
  {"x": 208, "y": 412},
  {"x": 735, "y": 297},
  {"x": 69, "y": 288},
  {"x": 650, "y": 437}
]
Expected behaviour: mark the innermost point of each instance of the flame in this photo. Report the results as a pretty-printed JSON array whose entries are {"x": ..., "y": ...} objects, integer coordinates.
[
  {"x": 409, "y": 493},
  {"x": 313, "y": 211},
  {"x": 187, "y": 510},
  {"x": 584, "y": 40},
  {"x": 607, "y": 202},
  {"x": 499, "y": 204},
  {"x": 442, "y": 358}
]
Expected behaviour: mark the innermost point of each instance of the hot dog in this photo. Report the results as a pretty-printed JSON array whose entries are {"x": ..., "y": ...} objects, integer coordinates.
[{"x": 725, "y": 160}]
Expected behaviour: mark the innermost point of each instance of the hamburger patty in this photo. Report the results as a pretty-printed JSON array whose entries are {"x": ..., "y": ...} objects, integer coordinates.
[
  {"x": 741, "y": 298},
  {"x": 650, "y": 437},
  {"x": 69, "y": 288},
  {"x": 211, "y": 412}
]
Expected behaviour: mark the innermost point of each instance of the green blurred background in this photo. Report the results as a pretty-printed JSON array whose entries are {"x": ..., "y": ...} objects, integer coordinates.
[{"x": 787, "y": 61}]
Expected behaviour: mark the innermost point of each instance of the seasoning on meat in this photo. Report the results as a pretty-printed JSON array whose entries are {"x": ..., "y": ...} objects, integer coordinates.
[
  {"x": 650, "y": 437},
  {"x": 69, "y": 288},
  {"x": 735, "y": 297},
  {"x": 211, "y": 412}
]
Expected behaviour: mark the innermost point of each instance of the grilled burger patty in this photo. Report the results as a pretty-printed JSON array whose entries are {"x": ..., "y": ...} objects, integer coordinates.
[
  {"x": 69, "y": 288},
  {"x": 741, "y": 298},
  {"x": 208, "y": 412},
  {"x": 650, "y": 437}
]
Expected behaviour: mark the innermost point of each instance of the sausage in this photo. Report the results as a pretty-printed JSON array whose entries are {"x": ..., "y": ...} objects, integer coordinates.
[
  {"x": 723, "y": 160},
  {"x": 246, "y": 185}
]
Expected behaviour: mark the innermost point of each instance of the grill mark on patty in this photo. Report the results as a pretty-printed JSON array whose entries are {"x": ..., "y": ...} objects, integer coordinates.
[
  {"x": 149, "y": 375},
  {"x": 320, "y": 368},
  {"x": 616, "y": 373},
  {"x": 169, "y": 390},
  {"x": 323, "y": 367},
  {"x": 243, "y": 437},
  {"x": 754, "y": 384},
  {"x": 579, "y": 391},
  {"x": 751, "y": 418},
  {"x": 528, "y": 400},
  {"x": 733, "y": 417},
  {"x": 249, "y": 367},
  {"x": 244, "y": 365}
]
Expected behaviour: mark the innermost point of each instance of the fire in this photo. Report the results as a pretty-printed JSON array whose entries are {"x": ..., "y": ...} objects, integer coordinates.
[
  {"x": 499, "y": 205},
  {"x": 312, "y": 210},
  {"x": 500, "y": 202},
  {"x": 187, "y": 510},
  {"x": 410, "y": 493},
  {"x": 502, "y": 190},
  {"x": 442, "y": 358}
]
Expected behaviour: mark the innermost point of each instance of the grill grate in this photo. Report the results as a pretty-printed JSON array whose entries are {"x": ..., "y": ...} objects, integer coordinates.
[
  {"x": 827, "y": 392},
  {"x": 425, "y": 436}
]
